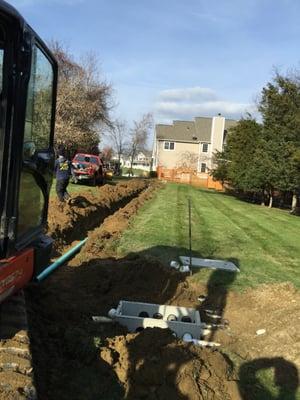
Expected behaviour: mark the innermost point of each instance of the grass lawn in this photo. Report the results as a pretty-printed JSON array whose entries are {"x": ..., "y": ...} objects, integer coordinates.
[
  {"x": 263, "y": 242},
  {"x": 83, "y": 187}
]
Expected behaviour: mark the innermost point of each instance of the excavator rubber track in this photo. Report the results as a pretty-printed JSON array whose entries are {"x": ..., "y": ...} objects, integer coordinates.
[{"x": 16, "y": 369}]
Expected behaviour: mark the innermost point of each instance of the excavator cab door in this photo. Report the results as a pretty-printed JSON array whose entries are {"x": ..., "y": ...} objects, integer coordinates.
[
  {"x": 28, "y": 79},
  {"x": 37, "y": 147}
]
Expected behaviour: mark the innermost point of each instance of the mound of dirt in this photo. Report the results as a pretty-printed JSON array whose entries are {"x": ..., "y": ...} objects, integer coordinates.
[
  {"x": 147, "y": 365},
  {"x": 154, "y": 365},
  {"x": 102, "y": 238},
  {"x": 86, "y": 211}
]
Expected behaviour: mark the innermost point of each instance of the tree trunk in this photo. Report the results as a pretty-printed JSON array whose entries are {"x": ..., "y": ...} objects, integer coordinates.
[
  {"x": 262, "y": 203},
  {"x": 270, "y": 199},
  {"x": 295, "y": 204},
  {"x": 131, "y": 164}
]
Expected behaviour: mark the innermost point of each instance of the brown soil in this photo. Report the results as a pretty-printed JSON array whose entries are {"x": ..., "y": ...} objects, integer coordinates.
[
  {"x": 275, "y": 308},
  {"x": 103, "y": 237},
  {"x": 67, "y": 223},
  {"x": 153, "y": 365},
  {"x": 78, "y": 359},
  {"x": 148, "y": 365}
]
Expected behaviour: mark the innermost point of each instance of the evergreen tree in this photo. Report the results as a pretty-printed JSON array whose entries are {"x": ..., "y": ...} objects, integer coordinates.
[{"x": 280, "y": 109}]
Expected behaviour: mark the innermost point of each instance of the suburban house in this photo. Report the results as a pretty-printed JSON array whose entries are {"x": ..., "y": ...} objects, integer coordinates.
[
  {"x": 142, "y": 161},
  {"x": 184, "y": 150}
]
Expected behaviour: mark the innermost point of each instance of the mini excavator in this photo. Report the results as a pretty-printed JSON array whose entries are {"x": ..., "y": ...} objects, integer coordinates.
[{"x": 28, "y": 81}]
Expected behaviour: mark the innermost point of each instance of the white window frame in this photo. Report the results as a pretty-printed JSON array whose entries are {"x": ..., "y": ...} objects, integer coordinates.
[
  {"x": 169, "y": 142},
  {"x": 202, "y": 145},
  {"x": 202, "y": 172}
]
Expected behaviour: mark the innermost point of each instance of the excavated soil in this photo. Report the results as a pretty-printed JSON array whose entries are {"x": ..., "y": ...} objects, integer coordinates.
[
  {"x": 88, "y": 210},
  {"x": 153, "y": 365},
  {"x": 102, "y": 360},
  {"x": 75, "y": 358}
]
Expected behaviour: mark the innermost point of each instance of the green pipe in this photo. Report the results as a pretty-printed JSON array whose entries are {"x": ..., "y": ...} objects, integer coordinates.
[{"x": 65, "y": 257}]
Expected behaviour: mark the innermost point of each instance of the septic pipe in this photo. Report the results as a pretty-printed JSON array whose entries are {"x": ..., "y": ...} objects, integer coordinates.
[{"x": 65, "y": 257}]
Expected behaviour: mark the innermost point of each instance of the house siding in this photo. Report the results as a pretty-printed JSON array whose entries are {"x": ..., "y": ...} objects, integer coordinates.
[
  {"x": 188, "y": 154},
  {"x": 182, "y": 153}
]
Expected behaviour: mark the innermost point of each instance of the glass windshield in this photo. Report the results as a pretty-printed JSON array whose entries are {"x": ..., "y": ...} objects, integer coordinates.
[
  {"x": 1, "y": 57},
  {"x": 89, "y": 159},
  {"x": 37, "y": 138},
  {"x": 1, "y": 68},
  {"x": 39, "y": 103}
]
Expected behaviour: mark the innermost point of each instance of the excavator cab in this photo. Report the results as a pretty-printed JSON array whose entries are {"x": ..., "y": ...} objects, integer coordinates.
[{"x": 28, "y": 80}]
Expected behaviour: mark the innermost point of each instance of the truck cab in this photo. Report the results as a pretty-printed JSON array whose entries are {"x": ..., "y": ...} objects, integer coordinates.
[
  {"x": 28, "y": 80},
  {"x": 88, "y": 168}
]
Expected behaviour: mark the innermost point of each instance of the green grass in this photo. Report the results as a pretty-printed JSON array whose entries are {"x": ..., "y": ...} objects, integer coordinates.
[
  {"x": 83, "y": 187},
  {"x": 263, "y": 242},
  {"x": 136, "y": 172}
]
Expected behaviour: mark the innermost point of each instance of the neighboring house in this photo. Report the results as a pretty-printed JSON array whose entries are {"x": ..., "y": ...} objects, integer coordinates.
[
  {"x": 141, "y": 161},
  {"x": 189, "y": 145}
]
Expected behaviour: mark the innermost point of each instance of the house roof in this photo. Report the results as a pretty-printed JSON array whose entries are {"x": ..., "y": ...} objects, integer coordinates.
[
  {"x": 146, "y": 153},
  {"x": 184, "y": 131},
  {"x": 203, "y": 128},
  {"x": 195, "y": 131},
  {"x": 164, "y": 131}
]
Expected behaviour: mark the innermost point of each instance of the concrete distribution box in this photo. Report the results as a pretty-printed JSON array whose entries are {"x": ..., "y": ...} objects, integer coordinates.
[{"x": 138, "y": 316}]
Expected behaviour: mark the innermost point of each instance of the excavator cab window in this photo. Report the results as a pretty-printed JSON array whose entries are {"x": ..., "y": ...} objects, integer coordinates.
[
  {"x": 37, "y": 143},
  {"x": 28, "y": 79},
  {"x": 1, "y": 58}
]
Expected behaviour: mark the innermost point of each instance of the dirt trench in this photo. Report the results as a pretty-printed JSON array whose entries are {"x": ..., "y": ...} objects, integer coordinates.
[
  {"x": 67, "y": 223},
  {"x": 78, "y": 359},
  {"x": 85, "y": 212}
]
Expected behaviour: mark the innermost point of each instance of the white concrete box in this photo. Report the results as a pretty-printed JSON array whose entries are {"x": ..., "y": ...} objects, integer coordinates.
[{"x": 138, "y": 316}]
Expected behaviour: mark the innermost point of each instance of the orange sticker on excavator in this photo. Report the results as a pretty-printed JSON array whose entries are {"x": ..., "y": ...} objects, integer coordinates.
[{"x": 16, "y": 272}]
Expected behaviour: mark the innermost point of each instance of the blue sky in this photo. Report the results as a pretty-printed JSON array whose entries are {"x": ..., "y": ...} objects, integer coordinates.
[{"x": 177, "y": 58}]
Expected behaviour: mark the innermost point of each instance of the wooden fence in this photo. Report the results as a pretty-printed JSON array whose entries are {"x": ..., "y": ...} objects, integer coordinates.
[{"x": 189, "y": 177}]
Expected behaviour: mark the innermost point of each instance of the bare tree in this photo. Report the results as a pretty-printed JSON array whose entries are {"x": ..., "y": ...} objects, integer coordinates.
[
  {"x": 107, "y": 153},
  {"x": 138, "y": 137},
  {"x": 118, "y": 135},
  {"x": 189, "y": 160},
  {"x": 84, "y": 101}
]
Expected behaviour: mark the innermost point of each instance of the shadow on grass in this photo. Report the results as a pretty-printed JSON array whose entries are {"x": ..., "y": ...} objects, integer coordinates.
[{"x": 286, "y": 379}]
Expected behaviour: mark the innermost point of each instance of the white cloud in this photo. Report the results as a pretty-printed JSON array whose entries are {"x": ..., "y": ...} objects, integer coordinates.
[
  {"x": 187, "y": 103},
  {"x": 188, "y": 94}
]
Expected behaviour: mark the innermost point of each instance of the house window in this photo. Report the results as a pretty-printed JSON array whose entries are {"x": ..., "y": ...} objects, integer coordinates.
[
  {"x": 169, "y": 145},
  {"x": 204, "y": 147},
  {"x": 203, "y": 167}
]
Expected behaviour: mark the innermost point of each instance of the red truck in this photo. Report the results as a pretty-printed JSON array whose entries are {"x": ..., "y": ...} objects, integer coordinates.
[{"x": 88, "y": 168}]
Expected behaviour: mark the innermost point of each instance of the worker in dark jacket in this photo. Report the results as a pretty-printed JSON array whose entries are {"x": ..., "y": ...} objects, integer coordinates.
[{"x": 63, "y": 173}]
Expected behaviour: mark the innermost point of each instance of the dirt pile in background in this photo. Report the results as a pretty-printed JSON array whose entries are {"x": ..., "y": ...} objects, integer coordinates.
[{"x": 67, "y": 223}]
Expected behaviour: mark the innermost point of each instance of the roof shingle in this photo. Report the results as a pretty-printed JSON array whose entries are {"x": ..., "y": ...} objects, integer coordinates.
[{"x": 196, "y": 131}]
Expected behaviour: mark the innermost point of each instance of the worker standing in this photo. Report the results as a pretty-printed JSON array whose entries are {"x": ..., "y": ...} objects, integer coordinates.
[{"x": 63, "y": 173}]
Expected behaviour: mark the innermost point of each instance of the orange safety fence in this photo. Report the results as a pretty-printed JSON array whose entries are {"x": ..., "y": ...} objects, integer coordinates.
[{"x": 190, "y": 177}]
